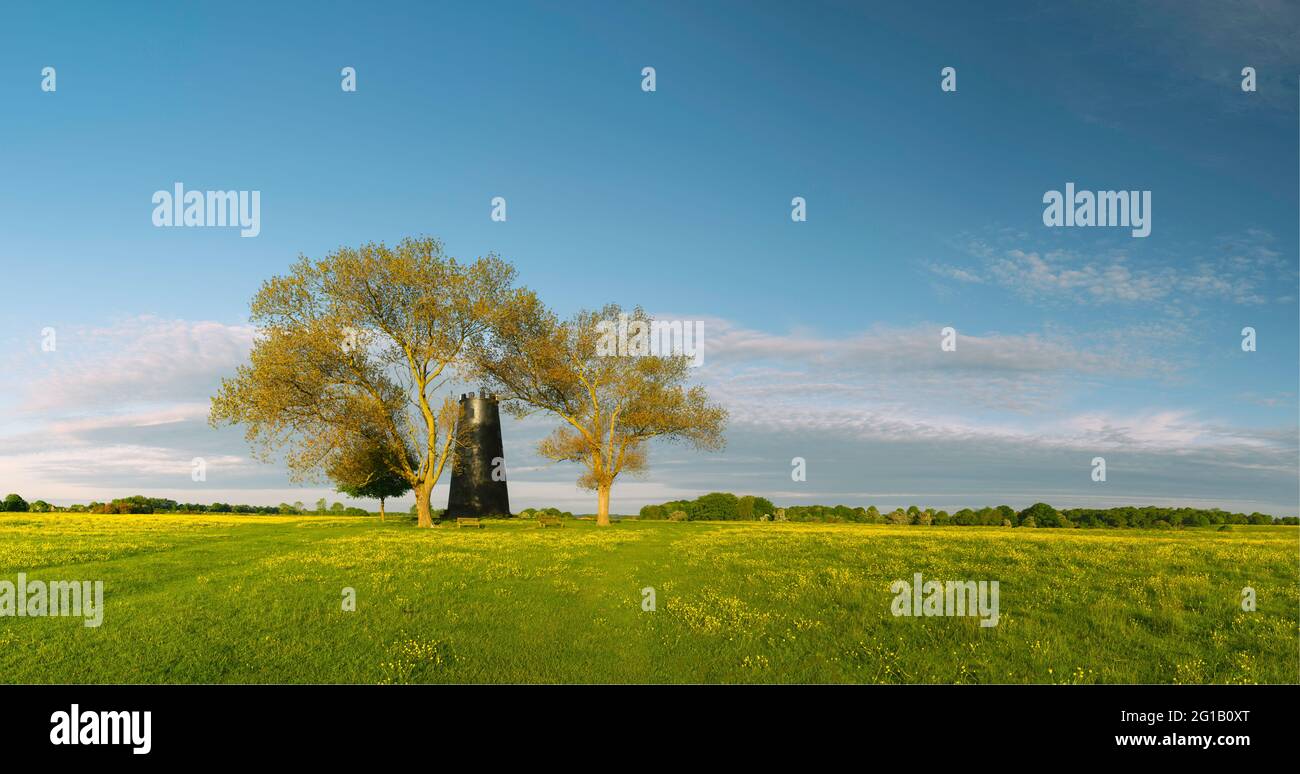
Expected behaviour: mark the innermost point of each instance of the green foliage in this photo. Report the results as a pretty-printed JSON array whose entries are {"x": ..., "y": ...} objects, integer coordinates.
[
  {"x": 13, "y": 503},
  {"x": 683, "y": 506},
  {"x": 1043, "y": 515},
  {"x": 653, "y": 512},
  {"x": 553, "y": 512},
  {"x": 717, "y": 506},
  {"x": 136, "y": 504}
]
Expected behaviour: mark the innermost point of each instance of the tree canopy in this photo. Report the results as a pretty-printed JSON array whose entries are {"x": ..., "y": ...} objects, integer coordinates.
[
  {"x": 610, "y": 406},
  {"x": 359, "y": 344}
]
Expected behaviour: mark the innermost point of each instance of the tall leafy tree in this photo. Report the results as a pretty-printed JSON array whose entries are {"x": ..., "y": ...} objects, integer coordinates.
[
  {"x": 609, "y": 406},
  {"x": 366, "y": 338}
]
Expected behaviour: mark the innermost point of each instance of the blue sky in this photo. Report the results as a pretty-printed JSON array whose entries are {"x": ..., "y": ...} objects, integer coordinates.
[{"x": 924, "y": 210}]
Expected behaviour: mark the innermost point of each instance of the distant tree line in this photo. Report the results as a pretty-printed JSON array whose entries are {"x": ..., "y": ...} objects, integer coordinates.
[
  {"x": 715, "y": 506},
  {"x": 529, "y": 513},
  {"x": 142, "y": 504},
  {"x": 723, "y": 506}
]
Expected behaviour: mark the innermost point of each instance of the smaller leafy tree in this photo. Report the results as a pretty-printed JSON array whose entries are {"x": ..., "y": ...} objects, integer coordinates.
[
  {"x": 368, "y": 469},
  {"x": 611, "y": 405}
]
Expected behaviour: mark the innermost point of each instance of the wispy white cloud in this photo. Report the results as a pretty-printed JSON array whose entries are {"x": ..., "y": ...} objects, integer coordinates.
[
  {"x": 136, "y": 359},
  {"x": 895, "y": 370},
  {"x": 1245, "y": 269}
]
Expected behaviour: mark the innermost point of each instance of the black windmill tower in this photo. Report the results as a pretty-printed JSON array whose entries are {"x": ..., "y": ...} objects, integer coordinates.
[{"x": 475, "y": 491}]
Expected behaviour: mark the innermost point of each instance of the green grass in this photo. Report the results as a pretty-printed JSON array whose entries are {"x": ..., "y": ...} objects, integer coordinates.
[{"x": 258, "y": 599}]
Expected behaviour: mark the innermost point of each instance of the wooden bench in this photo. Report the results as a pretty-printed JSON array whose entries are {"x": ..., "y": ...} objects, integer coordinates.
[
  {"x": 462, "y": 521},
  {"x": 549, "y": 521}
]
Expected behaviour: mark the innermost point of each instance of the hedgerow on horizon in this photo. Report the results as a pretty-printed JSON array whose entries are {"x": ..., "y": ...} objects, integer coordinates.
[{"x": 724, "y": 506}]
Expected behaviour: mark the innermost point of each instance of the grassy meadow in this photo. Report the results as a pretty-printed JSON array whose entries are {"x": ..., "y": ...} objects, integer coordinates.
[{"x": 217, "y": 599}]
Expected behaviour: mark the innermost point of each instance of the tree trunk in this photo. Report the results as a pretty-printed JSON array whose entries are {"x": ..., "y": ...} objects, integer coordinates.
[
  {"x": 602, "y": 505},
  {"x": 422, "y": 505},
  {"x": 381, "y": 509}
]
